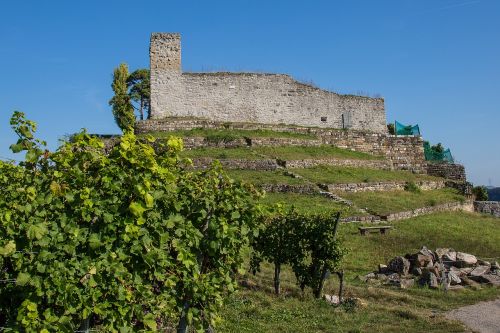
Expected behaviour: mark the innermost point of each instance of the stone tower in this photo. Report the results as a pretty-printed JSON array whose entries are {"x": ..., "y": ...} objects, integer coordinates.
[{"x": 165, "y": 65}]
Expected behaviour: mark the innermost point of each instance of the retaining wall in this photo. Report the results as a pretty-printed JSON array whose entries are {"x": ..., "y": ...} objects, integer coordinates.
[
  {"x": 382, "y": 186},
  {"x": 447, "y": 170},
  {"x": 488, "y": 207},
  {"x": 452, "y": 206}
]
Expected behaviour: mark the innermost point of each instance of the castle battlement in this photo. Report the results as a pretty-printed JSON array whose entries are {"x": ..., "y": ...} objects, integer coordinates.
[{"x": 251, "y": 97}]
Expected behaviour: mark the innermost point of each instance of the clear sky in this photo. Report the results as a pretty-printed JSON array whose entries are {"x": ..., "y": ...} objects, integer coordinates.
[{"x": 436, "y": 62}]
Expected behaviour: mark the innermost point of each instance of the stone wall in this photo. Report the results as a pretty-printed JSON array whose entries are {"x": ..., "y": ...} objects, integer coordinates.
[
  {"x": 308, "y": 163},
  {"x": 488, "y": 207},
  {"x": 402, "y": 152},
  {"x": 447, "y": 207},
  {"x": 447, "y": 170},
  {"x": 251, "y": 97},
  {"x": 382, "y": 186}
]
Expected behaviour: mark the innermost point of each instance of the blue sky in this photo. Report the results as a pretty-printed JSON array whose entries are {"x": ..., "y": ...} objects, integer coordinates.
[{"x": 436, "y": 62}]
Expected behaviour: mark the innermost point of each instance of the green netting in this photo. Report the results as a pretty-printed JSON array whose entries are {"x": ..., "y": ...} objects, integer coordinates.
[
  {"x": 432, "y": 155},
  {"x": 401, "y": 129}
]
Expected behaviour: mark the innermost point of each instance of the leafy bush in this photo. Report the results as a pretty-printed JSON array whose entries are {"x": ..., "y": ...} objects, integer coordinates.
[
  {"x": 391, "y": 129},
  {"x": 480, "y": 193},
  {"x": 412, "y": 187},
  {"x": 125, "y": 241}
]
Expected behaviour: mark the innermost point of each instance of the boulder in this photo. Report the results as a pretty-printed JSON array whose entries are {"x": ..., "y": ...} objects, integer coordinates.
[
  {"x": 453, "y": 278},
  {"x": 433, "y": 281},
  {"x": 446, "y": 255},
  {"x": 470, "y": 283},
  {"x": 449, "y": 257},
  {"x": 405, "y": 283},
  {"x": 479, "y": 270},
  {"x": 399, "y": 265},
  {"x": 426, "y": 252},
  {"x": 465, "y": 259},
  {"x": 495, "y": 266},
  {"x": 483, "y": 262},
  {"x": 416, "y": 271},
  {"x": 368, "y": 277},
  {"x": 381, "y": 277},
  {"x": 491, "y": 279},
  {"x": 466, "y": 270},
  {"x": 430, "y": 279},
  {"x": 382, "y": 269},
  {"x": 420, "y": 260}
]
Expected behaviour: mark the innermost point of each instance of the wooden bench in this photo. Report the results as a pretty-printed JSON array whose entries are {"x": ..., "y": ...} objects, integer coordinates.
[{"x": 381, "y": 229}]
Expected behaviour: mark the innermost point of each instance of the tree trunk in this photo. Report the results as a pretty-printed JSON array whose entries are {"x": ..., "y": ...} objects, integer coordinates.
[
  {"x": 183, "y": 323},
  {"x": 341, "y": 286},
  {"x": 321, "y": 282},
  {"x": 141, "y": 109},
  {"x": 277, "y": 270}
]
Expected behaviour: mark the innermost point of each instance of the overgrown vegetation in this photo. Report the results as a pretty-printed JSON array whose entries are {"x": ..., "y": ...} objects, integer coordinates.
[{"x": 123, "y": 241}]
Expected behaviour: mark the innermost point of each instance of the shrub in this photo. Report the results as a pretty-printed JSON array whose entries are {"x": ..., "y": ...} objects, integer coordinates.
[
  {"x": 480, "y": 193},
  {"x": 125, "y": 241},
  {"x": 412, "y": 187},
  {"x": 391, "y": 129}
]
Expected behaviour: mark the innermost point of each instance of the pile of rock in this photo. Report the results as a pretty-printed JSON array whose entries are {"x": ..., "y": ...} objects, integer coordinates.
[{"x": 445, "y": 268}]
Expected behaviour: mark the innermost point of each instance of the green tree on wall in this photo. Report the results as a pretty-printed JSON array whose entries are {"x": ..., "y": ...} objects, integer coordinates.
[
  {"x": 123, "y": 110},
  {"x": 138, "y": 84}
]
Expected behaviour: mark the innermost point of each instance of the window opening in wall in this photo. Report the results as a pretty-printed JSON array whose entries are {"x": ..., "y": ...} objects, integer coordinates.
[{"x": 323, "y": 119}]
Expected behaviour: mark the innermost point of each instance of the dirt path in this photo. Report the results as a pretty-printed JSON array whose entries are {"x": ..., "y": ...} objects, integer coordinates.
[{"x": 482, "y": 317}]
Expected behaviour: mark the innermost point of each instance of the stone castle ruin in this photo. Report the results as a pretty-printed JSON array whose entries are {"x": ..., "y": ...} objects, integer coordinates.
[
  {"x": 251, "y": 97},
  {"x": 184, "y": 101}
]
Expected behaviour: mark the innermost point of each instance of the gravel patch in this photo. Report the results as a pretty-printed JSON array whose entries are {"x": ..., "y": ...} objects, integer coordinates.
[{"x": 482, "y": 317}]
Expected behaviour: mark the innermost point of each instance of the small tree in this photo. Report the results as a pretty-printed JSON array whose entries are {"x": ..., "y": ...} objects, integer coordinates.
[
  {"x": 480, "y": 193},
  {"x": 123, "y": 110},
  {"x": 438, "y": 148},
  {"x": 391, "y": 129},
  {"x": 138, "y": 84}
]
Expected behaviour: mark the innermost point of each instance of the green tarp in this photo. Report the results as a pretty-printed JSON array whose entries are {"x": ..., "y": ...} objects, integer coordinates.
[
  {"x": 401, "y": 129},
  {"x": 432, "y": 155}
]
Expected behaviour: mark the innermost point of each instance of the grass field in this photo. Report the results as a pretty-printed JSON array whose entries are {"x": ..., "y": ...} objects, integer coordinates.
[
  {"x": 264, "y": 177},
  {"x": 386, "y": 309},
  {"x": 310, "y": 203},
  {"x": 231, "y": 134},
  {"x": 337, "y": 175},
  {"x": 283, "y": 153},
  {"x": 382, "y": 203}
]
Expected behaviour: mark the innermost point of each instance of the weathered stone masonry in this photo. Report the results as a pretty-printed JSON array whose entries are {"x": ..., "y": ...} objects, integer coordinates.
[{"x": 251, "y": 97}]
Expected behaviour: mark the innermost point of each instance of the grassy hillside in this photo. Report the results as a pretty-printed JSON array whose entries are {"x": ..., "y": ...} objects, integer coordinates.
[
  {"x": 335, "y": 174},
  {"x": 283, "y": 153},
  {"x": 232, "y": 134},
  {"x": 256, "y": 309},
  {"x": 383, "y": 203},
  {"x": 310, "y": 203}
]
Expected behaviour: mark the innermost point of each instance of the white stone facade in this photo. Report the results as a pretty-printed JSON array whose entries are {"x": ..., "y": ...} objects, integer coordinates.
[{"x": 251, "y": 97}]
